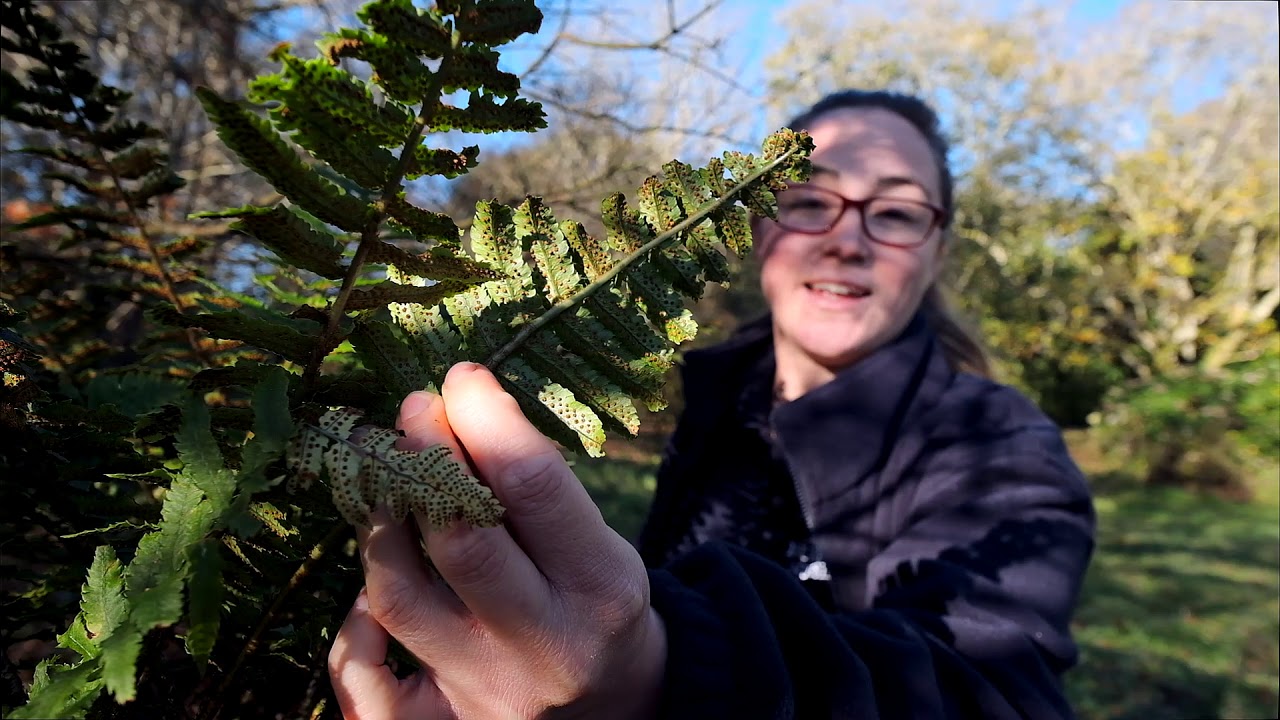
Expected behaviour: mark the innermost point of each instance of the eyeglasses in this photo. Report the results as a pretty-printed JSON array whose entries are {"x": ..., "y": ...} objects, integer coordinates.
[{"x": 889, "y": 221}]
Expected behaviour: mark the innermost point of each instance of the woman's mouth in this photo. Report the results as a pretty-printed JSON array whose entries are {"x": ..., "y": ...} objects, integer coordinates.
[{"x": 843, "y": 291}]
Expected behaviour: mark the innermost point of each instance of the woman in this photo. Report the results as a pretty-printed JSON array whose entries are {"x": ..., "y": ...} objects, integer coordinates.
[{"x": 850, "y": 521}]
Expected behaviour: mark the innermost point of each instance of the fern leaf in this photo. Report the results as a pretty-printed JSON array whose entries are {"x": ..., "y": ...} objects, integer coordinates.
[
  {"x": 425, "y": 225},
  {"x": 639, "y": 372},
  {"x": 153, "y": 582},
  {"x": 439, "y": 346},
  {"x": 484, "y": 115},
  {"x": 597, "y": 392},
  {"x": 272, "y": 518},
  {"x": 65, "y": 215},
  {"x": 291, "y": 338},
  {"x": 263, "y": 151},
  {"x": 105, "y": 192},
  {"x": 120, "y": 661},
  {"x": 324, "y": 110},
  {"x": 290, "y": 237},
  {"x": 473, "y": 68},
  {"x": 399, "y": 21},
  {"x": 102, "y": 605},
  {"x": 66, "y": 156},
  {"x": 590, "y": 252},
  {"x": 196, "y": 446},
  {"x": 439, "y": 264},
  {"x": 552, "y": 407},
  {"x": 131, "y": 394},
  {"x": 138, "y": 161},
  {"x": 161, "y": 568},
  {"x": 388, "y": 356},
  {"x": 77, "y": 638},
  {"x": 441, "y": 161},
  {"x": 66, "y": 692},
  {"x": 390, "y": 292},
  {"x": 153, "y": 585},
  {"x": 121, "y": 134},
  {"x": 318, "y": 84},
  {"x": 161, "y": 181},
  {"x": 364, "y": 470},
  {"x": 272, "y": 428},
  {"x": 180, "y": 247},
  {"x": 550, "y": 250},
  {"x": 205, "y": 590},
  {"x": 404, "y": 78},
  {"x": 592, "y": 330},
  {"x": 495, "y": 22}
]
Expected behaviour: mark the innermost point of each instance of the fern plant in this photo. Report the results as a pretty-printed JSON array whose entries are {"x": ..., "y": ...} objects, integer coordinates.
[{"x": 247, "y": 568}]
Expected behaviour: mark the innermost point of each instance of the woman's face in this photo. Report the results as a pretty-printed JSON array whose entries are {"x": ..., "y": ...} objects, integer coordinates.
[{"x": 837, "y": 296}]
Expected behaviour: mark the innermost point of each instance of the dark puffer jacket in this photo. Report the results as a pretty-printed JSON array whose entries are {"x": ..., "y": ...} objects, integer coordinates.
[{"x": 940, "y": 525}]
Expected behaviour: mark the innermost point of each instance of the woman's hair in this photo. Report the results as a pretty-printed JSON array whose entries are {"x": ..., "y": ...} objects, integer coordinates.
[{"x": 960, "y": 344}]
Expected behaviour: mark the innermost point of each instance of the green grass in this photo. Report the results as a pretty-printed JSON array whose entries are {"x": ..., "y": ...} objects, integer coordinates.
[
  {"x": 1180, "y": 611},
  {"x": 622, "y": 489}
]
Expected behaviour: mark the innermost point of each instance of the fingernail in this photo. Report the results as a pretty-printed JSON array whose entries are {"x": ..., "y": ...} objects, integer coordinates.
[
  {"x": 416, "y": 404},
  {"x": 362, "y": 600}
]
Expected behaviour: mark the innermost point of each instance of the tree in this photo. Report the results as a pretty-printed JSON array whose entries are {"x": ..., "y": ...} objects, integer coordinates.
[
  {"x": 1140, "y": 226},
  {"x": 1190, "y": 267}
]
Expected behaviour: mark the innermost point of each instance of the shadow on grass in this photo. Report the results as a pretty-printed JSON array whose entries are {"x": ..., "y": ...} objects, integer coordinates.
[{"x": 1179, "y": 613}]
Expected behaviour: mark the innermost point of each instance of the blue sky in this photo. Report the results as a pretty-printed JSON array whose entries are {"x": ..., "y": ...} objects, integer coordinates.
[{"x": 754, "y": 38}]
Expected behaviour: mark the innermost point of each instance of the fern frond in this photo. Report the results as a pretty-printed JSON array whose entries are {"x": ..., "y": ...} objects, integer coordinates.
[
  {"x": 441, "y": 161},
  {"x": 496, "y": 22},
  {"x": 325, "y": 111},
  {"x": 388, "y": 356},
  {"x": 205, "y": 591},
  {"x": 483, "y": 114},
  {"x": 425, "y": 225},
  {"x": 365, "y": 470},
  {"x": 291, "y": 338},
  {"x": 102, "y": 606},
  {"x": 61, "y": 691},
  {"x": 261, "y": 148},
  {"x": 423, "y": 32},
  {"x": 577, "y": 332},
  {"x": 290, "y": 237}
]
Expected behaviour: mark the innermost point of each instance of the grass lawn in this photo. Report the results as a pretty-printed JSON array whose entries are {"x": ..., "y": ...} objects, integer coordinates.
[{"x": 1180, "y": 613}]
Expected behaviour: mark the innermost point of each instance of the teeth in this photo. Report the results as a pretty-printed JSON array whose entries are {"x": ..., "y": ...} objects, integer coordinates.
[{"x": 837, "y": 289}]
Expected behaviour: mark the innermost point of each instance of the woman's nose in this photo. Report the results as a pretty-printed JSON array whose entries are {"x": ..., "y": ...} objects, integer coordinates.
[{"x": 848, "y": 238}]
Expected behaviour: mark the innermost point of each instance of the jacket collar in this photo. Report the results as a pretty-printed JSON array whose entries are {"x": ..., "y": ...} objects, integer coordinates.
[{"x": 837, "y": 433}]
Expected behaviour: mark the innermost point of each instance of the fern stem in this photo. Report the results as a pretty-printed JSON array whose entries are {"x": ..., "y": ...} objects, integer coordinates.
[
  {"x": 214, "y": 708},
  {"x": 498, "y": 357},
  {"x": 430, "y": 106}
]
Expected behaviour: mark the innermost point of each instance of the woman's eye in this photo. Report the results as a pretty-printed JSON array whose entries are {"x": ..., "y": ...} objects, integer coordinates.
[
  {"x": 808, "y": 204},
  {"x": 801, "y": 202}
]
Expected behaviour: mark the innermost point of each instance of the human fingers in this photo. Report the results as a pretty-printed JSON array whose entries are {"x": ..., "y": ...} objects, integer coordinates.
[
  {"x": 423, "y": 421},
  {"x": 403, "y": 597},
  {"x": 484, "y": 568},
  {"x": 548, "y": 511},
  {"x": 364, "y": 686}
]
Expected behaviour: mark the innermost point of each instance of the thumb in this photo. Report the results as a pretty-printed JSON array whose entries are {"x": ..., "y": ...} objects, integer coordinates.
[{"x": 423, "y": 422}]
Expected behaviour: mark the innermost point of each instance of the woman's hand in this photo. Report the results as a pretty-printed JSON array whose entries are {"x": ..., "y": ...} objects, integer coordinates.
[{"x": 550, "y": 612}]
